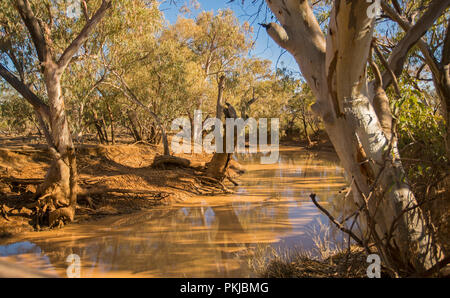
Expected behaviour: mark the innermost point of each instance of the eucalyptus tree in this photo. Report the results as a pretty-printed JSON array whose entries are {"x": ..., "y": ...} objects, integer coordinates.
[
  {"x": 52, "y": 39},
  {"x": 246, "y": 84},
  {"x": 432, "y": 50},
  {"x": 298, "y": 113},
  {"x": 219, "y": 41},
  {"x": 334, "y": 64},
  {"x": 115, "y": 50}
]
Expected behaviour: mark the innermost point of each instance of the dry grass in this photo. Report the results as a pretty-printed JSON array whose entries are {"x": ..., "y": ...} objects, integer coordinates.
[
  {"x": 299, "y": 264},
  {"x": 326, "y": 260}
]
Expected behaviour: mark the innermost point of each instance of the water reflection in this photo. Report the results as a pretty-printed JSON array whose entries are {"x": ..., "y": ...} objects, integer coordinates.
[{"x": 205, "y": 237}]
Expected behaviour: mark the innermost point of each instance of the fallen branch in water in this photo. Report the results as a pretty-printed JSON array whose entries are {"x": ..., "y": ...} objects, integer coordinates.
[{"x": 232, "y": 181}]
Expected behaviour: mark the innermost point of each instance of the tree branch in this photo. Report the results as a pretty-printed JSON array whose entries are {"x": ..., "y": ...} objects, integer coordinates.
[
  {"x": 413, "y": 35},
  {"x": 446, "y": 49},
  {"x": 388, "y": 70},
  {"x": 133, "y": 97},
  {"x": 84, "y": 34},
  {"x": 351, "y": 31},
  {"x": 336, "y": 223},
  {"x": 278, "y": 34},
  {"x": 299, "y": 33},
  {"x": 32, "y": 24},
  {"x": 20, "y": 87},
  {"x": 406, "y": 25}
]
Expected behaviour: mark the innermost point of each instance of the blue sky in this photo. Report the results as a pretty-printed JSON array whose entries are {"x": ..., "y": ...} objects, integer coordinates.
[{"x": 264, "y": 46}]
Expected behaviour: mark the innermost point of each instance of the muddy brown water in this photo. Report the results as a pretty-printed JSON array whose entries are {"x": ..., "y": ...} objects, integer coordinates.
[{"x": 205, "y": 237}]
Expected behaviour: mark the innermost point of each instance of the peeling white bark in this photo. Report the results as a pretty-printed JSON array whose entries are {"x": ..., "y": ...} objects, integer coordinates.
[{"x": 336, "y": 72}]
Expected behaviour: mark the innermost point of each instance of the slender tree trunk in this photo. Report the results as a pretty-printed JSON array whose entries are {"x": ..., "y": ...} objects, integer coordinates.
[
  {"x": 104, "y": 129},
  {"x": 219, "y": 105},
  {"x": 219, "y": 163},
  {"x": 132, "y": 96},
  {"x": 98, "y": 127},
  {"x": 305, "y": 128},
  {"x": 132, "y": 116},
  {"x": 111, "y": 119},
  {"x": 290, "y": 128}
]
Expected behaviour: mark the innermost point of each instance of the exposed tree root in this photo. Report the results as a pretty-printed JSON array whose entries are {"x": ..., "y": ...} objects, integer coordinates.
[
  {"x": 58, "y": 217},
  {"x": 46, "y": 203},
  {"x": 88, "y": 201},
  {"x": 52, "y": 208},
  {"x": 237, "y": 167},
  {"x": 232, "y": 181},
  {"x": 18, "y": 181},
  {"x": 213, "y": 183},
  {"x": 20, "y": 185},
  {"x": 4, "y": 210},
  {"x": 103, "y": 190}
]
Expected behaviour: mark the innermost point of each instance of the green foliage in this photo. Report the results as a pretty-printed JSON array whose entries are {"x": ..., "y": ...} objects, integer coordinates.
[
  {"x": 16, "y": 116},
  {"x": 421, "y": 133},
  {"x": 172, "y": 69}
]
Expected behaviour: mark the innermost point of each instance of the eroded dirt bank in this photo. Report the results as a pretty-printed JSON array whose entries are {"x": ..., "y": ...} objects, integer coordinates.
[
  {"x": 113, "y": 180},
  {"x": 202, "y": 236}
]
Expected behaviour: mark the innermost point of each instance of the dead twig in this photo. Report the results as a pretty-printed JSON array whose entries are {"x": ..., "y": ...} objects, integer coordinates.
[{"x": 335, "y": 222}]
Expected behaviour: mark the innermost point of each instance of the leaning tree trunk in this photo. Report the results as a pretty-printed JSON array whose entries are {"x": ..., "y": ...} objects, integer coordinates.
[
  {"x": 218, "y": 165},
  {"x": 443, "y": 87},
  {"x": 305, "y": 128},
  {"x": 111, "y": 119},
  {"x": 335, "y": 69}
]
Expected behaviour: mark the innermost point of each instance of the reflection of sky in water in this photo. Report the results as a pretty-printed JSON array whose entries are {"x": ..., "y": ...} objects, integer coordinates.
[
  {"x": 18, "y": 248},
  {"x": 208, "y": 239},
  {"x": 23, "y": 251},
  {"x": 209, "y": 216}
]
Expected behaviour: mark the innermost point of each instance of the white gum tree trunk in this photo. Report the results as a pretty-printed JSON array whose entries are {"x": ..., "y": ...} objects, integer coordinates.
[
  {"x": 58, "y": 193},
  {"x": 335, "y": 69},
  {"x": 61, "y": 179}
]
